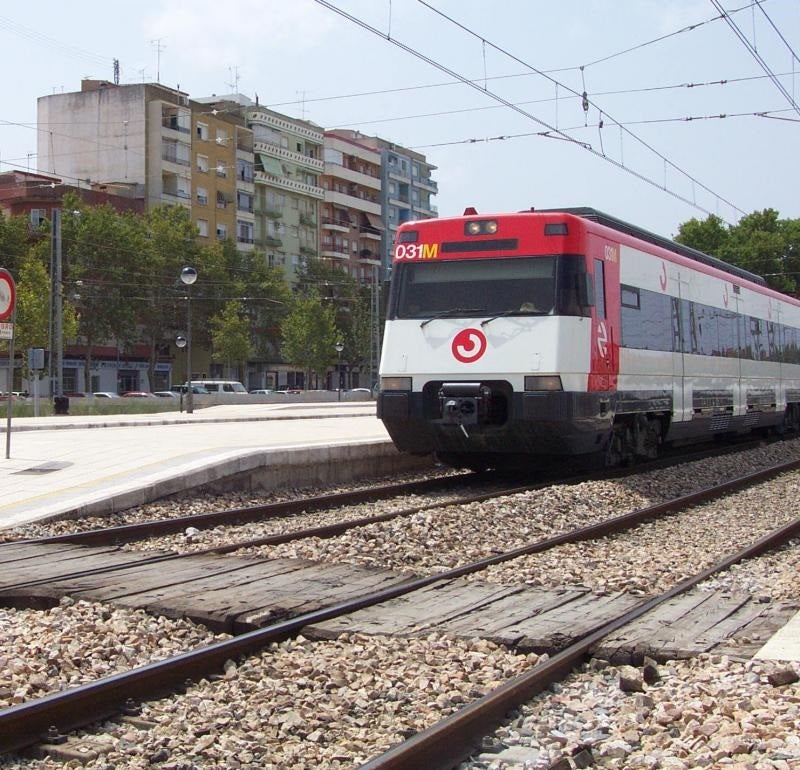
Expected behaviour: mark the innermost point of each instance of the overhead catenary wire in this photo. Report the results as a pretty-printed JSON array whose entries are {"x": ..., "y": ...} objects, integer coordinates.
[
  {"x": 755, "y": 54},
  {"x": 551, "y": 129}
]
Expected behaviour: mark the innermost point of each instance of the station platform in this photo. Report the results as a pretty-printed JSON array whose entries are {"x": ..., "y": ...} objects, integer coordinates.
[{"x": 82, "y": 465}]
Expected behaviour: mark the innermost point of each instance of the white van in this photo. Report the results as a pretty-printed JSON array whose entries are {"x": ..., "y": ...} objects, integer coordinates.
[{"x": 221, "y": 386}]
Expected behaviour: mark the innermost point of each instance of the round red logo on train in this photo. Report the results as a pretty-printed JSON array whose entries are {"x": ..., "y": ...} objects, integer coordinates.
[{"x": 468, "y": 345}]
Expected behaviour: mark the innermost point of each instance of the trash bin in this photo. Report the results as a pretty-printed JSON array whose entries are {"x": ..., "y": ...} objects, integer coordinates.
[{"x": 61, "y": 405}]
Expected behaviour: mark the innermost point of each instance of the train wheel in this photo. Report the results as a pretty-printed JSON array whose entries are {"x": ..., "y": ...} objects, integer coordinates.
[{"x": 791, "y": 420}]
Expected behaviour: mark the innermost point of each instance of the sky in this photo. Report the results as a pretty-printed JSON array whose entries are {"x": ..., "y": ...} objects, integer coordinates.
[{"x": 686, "y": 113}]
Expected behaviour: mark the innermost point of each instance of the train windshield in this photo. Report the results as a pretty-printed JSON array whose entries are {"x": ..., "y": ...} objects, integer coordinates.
[{"x": 473, "y": 288}]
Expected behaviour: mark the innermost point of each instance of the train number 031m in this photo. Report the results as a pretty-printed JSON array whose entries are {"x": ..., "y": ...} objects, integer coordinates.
[{"x": 416, "y": 251}]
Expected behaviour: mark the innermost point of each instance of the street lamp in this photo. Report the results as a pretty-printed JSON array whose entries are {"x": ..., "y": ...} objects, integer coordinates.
[
  {"x": 189, "y": 276},
  {"x": 339, "y": 348},
  {"x": 180, "y": 343}
]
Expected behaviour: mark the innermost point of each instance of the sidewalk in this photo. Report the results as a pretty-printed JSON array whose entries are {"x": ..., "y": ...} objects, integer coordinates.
[{"x": 84, "y": 464}]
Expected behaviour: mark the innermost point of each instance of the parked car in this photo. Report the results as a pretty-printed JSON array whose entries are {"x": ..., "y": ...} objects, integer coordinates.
[
  {"x": 360, "y": 390},
  {"x": 262, "y": 392},
  {"x": 222, "y": 386},
  {"x": 105, "y": 394},
  {"x": 195, "y": 388},
  {"x": 137, "y": 394},
  {"x": 74, "y": 394},
  {"x": 165, "y": 394}
]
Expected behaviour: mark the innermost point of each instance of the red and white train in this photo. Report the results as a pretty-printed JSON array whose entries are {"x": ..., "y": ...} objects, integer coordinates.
[{"x": 573, "y": 333}]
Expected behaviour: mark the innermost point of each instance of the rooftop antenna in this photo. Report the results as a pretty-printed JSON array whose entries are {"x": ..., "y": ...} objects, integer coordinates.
[
  {"x": 159, "y": 48},
  {"x": 302, "y": 104},
  {"x": 234, "y": 73},
  {"x": 116, "y": 72}
]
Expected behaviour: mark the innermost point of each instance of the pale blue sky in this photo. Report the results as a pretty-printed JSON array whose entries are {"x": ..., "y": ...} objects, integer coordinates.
[{"x": 297, "y": 54}]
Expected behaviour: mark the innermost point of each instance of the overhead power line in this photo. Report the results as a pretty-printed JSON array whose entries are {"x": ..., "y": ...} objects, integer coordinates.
[
  {"x": 551, "y": 130},
  {"x": 755, "y": 54}
]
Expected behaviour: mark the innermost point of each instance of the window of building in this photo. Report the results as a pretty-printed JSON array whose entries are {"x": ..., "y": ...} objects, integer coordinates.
[
  {"x": 222, "y": 136},
  {"x": 38, "y": 216},
  {"x": 244, "y": 231},
  {"x": 222, "y": 232},
  {"x": 202, "y": 163},
  {"x": 202, "y": 131},
  {"x": 202, "y": 196},
  {"x": 202, "y": 228},
  {"x": 222, "y": 169}
]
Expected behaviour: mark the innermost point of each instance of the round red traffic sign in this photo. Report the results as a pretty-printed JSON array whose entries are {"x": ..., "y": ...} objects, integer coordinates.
[
  {"x": 8, "y": 294},
  {"x": 468, "y": 345}
]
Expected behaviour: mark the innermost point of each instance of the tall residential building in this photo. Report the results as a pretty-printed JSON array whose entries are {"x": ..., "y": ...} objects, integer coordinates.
[
  {"x": 351, "y": 226},
  {"x": 386, "y": 185},
  {"x": 147, "y": 135},
  {"x": 288, "y": 165}
]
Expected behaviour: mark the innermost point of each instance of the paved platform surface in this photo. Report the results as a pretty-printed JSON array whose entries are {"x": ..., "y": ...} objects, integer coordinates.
[{"x": 60, "y": 464}]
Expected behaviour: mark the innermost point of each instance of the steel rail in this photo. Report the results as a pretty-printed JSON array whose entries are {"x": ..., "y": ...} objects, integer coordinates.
[
  {"x": 129, "y": 532},
  {"x": 452, "y": 740},
  {"x": 27, "y": 723}
]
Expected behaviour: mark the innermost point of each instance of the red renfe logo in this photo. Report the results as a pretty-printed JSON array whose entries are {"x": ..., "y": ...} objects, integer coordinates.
[{"x": 468, "y": 345}]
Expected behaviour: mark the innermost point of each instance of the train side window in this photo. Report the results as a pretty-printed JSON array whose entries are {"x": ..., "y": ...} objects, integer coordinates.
[
  {"x": 600, "y": 288},
  {"x": 630, "y": 297}
]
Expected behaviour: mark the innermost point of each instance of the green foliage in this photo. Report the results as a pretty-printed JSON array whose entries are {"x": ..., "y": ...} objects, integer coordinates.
[
  {"x": 14, "y": 243},
  {"x": 761, "y": 242},
  {"x": 230, "y": 338},
  {"x": 351, "y": 304},
  {"x": 310, "y": 335}
]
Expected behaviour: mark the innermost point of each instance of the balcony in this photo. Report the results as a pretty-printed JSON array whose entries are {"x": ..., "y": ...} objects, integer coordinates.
[
  {"x": 338, "y": 171},
  {"x": 427, "y": 184},
  {"x": 307, "y": 220},
  {"x": 272, "y": 242},
  {"x": 289, "y": 184},
  {"x": 274, "y": 151},
  {"x": 345, "y": 201},
  {"x": 334, "y": 252},
  {"x": 372, "y": 233},
  {"x": 336, "y": 225}
]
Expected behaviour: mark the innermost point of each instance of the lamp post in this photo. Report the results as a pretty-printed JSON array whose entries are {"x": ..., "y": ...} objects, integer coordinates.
[
  {"x": 189, "y": 276},
  {"x": 339, "y": 348},
  {"x": 180, "y": 343}
]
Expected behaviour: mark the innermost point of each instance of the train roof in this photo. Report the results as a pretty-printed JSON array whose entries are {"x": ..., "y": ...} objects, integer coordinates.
[{"x": 645, "y": 235}]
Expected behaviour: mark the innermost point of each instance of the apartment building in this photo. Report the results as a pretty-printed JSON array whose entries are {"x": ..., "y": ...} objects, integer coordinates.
[
  {"x": 373, "y": 185},
  {"x": 156, "y": 139},
  {"x": 351, "y": 228}
]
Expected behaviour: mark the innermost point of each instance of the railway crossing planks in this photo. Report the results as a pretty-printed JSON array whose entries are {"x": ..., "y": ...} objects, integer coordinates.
[
  {"x": 694, "y": 622},
  {"x": 52, "y": 562},
  {"x": 525, "y": 618},
  {"x": 235, "y": 594}
]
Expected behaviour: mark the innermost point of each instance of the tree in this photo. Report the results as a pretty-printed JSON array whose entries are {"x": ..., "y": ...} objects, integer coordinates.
[
  {"x": 165, "y": 246},
  {"x": 230, "y": 338},
  {"x": 309, "y": 335},
  {"x": 14, "y": 243},
  {"x": 761, "y": 242},
  {"x": 33, "y": 307},
  {"x": 99, "y": 267},
  {"x": 352, "y": 310},
  {"x": 709, "y": 236}
]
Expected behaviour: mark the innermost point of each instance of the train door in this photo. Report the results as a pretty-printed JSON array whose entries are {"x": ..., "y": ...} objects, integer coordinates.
[
  {"x": 605, "y": 339},
  {"x": 679, "y": 291}
]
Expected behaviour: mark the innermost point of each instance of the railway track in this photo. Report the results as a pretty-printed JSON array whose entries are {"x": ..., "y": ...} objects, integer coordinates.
[
  {"x": 26, "y": 724},
  {"x": 494, "y": 484}
]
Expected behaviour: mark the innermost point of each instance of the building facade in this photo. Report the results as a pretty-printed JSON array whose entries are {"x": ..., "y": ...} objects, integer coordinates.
[{"x": 352, "y": 225}]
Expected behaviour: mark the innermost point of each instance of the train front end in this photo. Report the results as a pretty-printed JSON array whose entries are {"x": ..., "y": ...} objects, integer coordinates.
[{"x": 486, "y": 358}]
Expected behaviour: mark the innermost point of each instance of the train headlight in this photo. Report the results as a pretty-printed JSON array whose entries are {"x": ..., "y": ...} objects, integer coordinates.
[
  {"x": 481, "y": 227},
  {"x": 543, "y": 382},
  {"x": 395, "y": 383}
]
